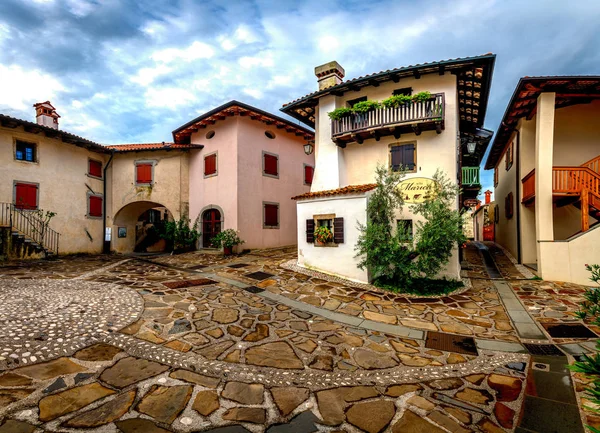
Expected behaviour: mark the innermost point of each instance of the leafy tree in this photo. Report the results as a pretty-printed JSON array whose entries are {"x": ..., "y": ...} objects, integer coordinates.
[{"x": 392, "y": 255}]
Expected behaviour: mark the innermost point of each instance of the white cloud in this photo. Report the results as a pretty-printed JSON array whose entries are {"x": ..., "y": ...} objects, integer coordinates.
[
  {"x": 264, "y": 59},
  {"x": 255, "y": 93},
  {"x": 146, "y": 76},
  {"x": 20, "y": 88},
  {"x": 197, "y": 50},
  {"x": 168, "y": 97},
  {"x": 81, "y": 8}
]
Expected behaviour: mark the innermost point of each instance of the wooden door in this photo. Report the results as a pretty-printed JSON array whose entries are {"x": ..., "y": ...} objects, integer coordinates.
[{"x": 211, "y": 226}]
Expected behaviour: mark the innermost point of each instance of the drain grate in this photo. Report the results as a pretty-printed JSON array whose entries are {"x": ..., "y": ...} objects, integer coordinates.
[
  {"x": 543, "y": 349},
  {"x": 188, "y": 283},
  {"x": 259, "y": 275},
  {"x": 451, "y": 343},
  {"x": 238, "y": 265},
  {"x": 568, "y": 331},
  {"x": 253, "y": 289},
  {"x": 198, "y": 267}
]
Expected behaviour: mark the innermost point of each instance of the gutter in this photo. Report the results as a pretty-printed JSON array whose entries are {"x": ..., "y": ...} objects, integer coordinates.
[
  {"x": 518, "y": 196},
  {"x": 106, "y": 244}
]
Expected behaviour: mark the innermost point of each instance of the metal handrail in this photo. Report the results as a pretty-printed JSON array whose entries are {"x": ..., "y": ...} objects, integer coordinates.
[{"x": 27, "y": 224}]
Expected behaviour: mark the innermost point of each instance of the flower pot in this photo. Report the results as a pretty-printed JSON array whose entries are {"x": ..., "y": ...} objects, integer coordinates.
[
  {"x": 227, "y": 251},
  {"x": 320, "y": 244}
]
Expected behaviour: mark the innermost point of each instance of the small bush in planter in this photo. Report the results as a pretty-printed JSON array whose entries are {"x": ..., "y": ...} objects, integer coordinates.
[
  {"x": 365, "y": 106},
  {"x": 340, "y": 113},
  {"x": 227, "y": 239},
  {"x": 323, "y": 235}
]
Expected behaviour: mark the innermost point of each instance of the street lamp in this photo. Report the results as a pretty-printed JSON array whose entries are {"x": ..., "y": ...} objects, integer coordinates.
[
  {"x": 471, "y": 147},
  {"x": 309, "y": 147}
]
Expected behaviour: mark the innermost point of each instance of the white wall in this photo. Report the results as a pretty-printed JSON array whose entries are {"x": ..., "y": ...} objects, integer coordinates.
[{"x": 338, "y": 260}]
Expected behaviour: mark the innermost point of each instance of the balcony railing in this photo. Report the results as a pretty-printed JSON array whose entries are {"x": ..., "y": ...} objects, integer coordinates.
[
  {"x": 431, "y": 110},
  {"x": 470, "y": 176}
]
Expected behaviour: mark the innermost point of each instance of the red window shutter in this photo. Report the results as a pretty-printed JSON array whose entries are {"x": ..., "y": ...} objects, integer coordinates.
[
  {"x": 95, "y": 168},
  {"x": 144, "y": 173},
  {"x": 95, "y": 206},
  {"x": 26, "y": 196},
  {"x": 210, "y": 164},
  {"x": 271, "y": 164},
  {"x": 271, "y": 217},
  {"x": 308, "y": 174}
]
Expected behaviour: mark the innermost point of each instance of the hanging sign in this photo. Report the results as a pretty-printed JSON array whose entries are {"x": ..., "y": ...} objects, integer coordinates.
[
  {"x": 417, "y": 189},
  {"x": 471, "y": 202}
]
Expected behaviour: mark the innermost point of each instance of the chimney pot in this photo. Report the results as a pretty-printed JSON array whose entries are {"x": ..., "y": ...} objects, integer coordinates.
[
  {"x": 46, "y": 115},
  {"x": 488, "y": 196},
  {"x": 329, "y": 74}
]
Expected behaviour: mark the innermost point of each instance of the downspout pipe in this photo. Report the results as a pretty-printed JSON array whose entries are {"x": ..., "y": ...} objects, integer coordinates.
[{"x": 106, "y": 244}]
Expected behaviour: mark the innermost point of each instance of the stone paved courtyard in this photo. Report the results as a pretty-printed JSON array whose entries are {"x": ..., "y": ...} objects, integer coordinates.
[{"x": 199, "y": 342}]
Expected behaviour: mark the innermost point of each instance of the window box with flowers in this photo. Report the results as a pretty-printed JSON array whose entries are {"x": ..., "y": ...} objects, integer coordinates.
[{"x": 323, "y": 236}]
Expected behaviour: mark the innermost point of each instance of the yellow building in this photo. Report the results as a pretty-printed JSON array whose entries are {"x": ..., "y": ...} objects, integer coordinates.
[{"x": 546, "y": 161}]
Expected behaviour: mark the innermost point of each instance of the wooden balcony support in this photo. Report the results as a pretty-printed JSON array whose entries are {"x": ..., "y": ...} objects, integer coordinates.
[{"x": 585, "y": 210}]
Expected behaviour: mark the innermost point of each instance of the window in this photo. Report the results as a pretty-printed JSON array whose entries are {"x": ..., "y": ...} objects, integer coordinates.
[
  {"x": 25, "y": 151},
  {"x": 95, "y": 168},
  {"x": 270, "y": 135},
  {"x": 210, "y": 134},
  {"x": 495, "y": 176},
  {"x": 356, "y": 101},
  {"x": 404, "y": 91},
  {"x": 403, "y": 156},
  {"x": 26, "y": 195},
  {"x": 333, "y": 223},
  {"x": 210, "y": 165},
  {"x": 406, "y": 228},
  {"x": 95, "y": 205},
  {"x": 509, "y": 156},
  {"x": 143, "y": 173},
  {"x": 309, "y": 171},
  {"x": 270, "y": 164},
  {"x": 270, "y": 215},
  {"x": 508, "y": 205}
]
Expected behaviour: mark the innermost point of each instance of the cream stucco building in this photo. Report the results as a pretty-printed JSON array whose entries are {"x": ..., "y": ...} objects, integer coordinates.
[
  {"x": 546, "y": 161},
  {"x": 444, "y": 132}
]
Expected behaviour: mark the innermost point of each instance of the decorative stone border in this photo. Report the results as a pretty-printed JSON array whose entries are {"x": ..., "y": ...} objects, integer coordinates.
[
  {"x": 291, "y": 265},
  {"x": 100, "y": 270}
]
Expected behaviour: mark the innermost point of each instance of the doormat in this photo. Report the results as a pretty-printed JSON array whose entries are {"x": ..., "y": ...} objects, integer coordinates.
[
  {"x": 238, "y": 265},
  {"x": 258, "y": 275},
  {"x": 568, "y": 331},
  {"x": 253, "y": 289},
  {"x": 188, "y": 283},
  {"x": 543, "y": 349},
  {"x": 451, "y": 343}
]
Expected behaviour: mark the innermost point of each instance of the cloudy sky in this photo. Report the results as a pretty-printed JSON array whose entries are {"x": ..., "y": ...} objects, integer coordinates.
[{"x": 123, "y": 71}]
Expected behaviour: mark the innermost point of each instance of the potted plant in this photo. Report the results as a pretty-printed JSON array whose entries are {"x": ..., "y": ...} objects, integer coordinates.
[
  {"x": 340, "y": 113},
  {"x": 227, "y": 239},
  {"x": 323, "y": 235}
]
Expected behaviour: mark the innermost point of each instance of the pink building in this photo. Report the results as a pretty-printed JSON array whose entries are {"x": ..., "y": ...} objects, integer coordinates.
[{"x": 251, "y": 164}]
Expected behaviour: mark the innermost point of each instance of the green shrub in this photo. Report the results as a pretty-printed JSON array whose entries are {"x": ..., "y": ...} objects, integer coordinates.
[
  {"x": 323, "y": 234},
  {"x": 392, "y": 257},
  {"x": 226, "y": 239},
  {"x": 340, "y": 113},
  {"x": 395, "y": 101},
  {"x": 365, "y": 106},
  {"x": 180, "y": 235}
]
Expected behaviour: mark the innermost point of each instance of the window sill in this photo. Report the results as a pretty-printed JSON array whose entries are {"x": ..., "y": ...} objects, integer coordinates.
[
  {"x": 144, "y": 184},
  {"x": 270, "y": 227},
  {"x": 25, "y": 161},
  {"x": 91, "y": 176},
  {"x": 94, "y": 217},
  {"x": 206, "y": 176},
  {"x": 273, "y": 176},
  {"x": 327, "y": 245}
]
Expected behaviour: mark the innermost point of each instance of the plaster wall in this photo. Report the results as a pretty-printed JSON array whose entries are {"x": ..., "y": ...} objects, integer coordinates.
[
  {"x": 61, "y": 171},
  {"x": 254, "y": 188},
  {"x": 129, "y": 201},
  {"x": 336, "y": 260},
  {"x": 506, "y": 229},
  {"x": 576, "y": 132},
  {"x": 565, "y": 260},
  {"x": 526, "y": 130}
]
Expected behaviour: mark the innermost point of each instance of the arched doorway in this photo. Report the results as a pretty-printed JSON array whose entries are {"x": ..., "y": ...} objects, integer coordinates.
[
  {"x": 137, "y": 225},
  {"x": 211, "y": 226}
]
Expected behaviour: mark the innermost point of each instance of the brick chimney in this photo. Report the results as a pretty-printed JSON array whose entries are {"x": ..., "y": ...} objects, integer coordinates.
[
  {"x": 329, "y": 74},
  {"x": 488, "y": 196},
  {"x": 46, "y": 115}
]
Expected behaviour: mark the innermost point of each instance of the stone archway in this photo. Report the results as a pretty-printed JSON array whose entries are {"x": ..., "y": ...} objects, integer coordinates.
[{"x": 136, "y": 226}]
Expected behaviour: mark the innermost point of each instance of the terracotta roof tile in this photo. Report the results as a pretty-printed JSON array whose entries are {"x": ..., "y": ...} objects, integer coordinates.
[
  {"x": 350, "y": 189},
  {"x": 133, "y": 147}
]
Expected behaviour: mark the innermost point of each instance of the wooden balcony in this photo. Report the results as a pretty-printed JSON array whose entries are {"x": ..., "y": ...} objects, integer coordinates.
[{"x": 409, "y": 118}]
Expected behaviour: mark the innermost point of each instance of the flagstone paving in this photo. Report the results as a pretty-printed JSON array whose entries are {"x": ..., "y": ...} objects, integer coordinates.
[{"x": 196, "y": 351}]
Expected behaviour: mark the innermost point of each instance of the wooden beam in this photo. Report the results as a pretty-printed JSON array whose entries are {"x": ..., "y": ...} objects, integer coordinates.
[
  {"x": 442, "y": 69},
  {"x": 280, "y": 125},
  {"x": 374, "y": 83},
  {"x": 395, "y": 78},
  {"x": 376, "y": 135},
  {"x": 397, "y": 133},
  {"x": 416, "y": 74},
  {"x": 438, "y": 127},
  {"x": 337, "y": 93},
  {"x": 416, "y": 129},
  {"x": 356, "y": 138},
  {"x": 354, "y": 87},
  {"x": 585, "y": 210}
]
